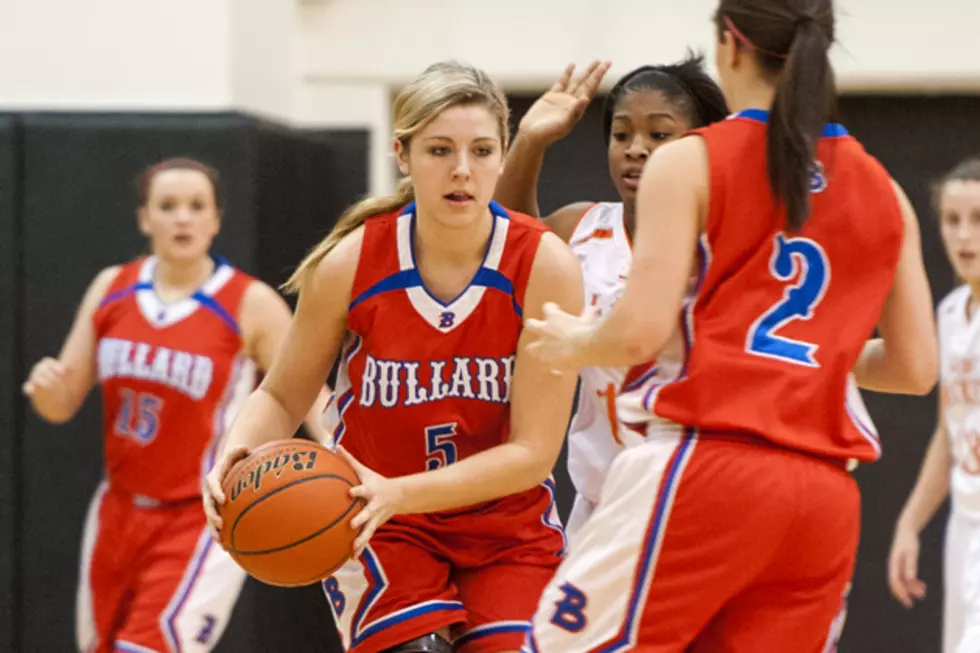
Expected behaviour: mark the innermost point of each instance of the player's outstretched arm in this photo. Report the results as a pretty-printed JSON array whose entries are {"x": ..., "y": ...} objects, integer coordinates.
[
  {"x": 550, "y": 118},
  {"x": 541, "y": 403},
  {"x": 265, "y": 320},
  {"x": 57, "y": 387},
  {"x": 671, "y": 203},
  {"x": 297, "y": 373},
  {"x": 931, "y": 489},
  {"x": 905, "y": 359}
]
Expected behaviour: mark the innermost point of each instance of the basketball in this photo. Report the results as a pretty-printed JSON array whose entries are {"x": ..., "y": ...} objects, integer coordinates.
[{"x": 287, "y": 512}]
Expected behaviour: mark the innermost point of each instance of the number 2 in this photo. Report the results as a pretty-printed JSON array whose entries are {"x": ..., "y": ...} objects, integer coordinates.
[
  {"x": 440, "y": 450},
  {"x": 804, "y": 259},
  {"x": 143, "y": 429}
]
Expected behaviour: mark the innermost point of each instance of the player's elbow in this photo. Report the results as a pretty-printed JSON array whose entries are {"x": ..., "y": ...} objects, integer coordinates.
[{"x": 922, "y": 374}]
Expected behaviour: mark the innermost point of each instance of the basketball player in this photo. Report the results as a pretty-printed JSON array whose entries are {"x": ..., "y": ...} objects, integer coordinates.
[
  {"x": 952, "y": 462},
  {"x": 452, "y": 428},
  {"x": 172, "y": 338},
  {"x": 648, "y": 107},
  {"x": 734, "y": 527}
]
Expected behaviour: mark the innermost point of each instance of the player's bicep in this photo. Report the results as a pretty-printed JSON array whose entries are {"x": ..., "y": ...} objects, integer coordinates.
[
  {"x": 315, "y": 334},
  {"x": 541, "y": 401},
  {"x": 78, "y": 353},
  {"x": 564, "y": 220},
  {"x": 907, "y": 322},
  {"x": 265, "y": 322}
]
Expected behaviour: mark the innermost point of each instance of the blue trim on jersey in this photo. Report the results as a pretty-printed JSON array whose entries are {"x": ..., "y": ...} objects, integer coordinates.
[
  {"x": 411, "y": 278},
  {"x": 126, "y": 292},
  {"x": 830, "y": 130},
  {"x": 212, "y": 304},
  {"x": 499, "y": 628}
]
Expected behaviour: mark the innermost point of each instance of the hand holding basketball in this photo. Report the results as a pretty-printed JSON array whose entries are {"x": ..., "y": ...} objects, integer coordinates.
[
  {"x": 212, "y": 493},
  {"x": 382, "y": 498}
]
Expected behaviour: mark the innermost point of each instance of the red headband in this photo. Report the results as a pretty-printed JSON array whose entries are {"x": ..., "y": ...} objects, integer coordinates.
[{"x": 746, "y": 41}]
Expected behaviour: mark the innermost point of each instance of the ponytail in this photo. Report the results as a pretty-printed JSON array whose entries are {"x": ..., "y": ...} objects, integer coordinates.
[
  {"x": 805, "y": 99},
  {"x": 351, "y": 219}
]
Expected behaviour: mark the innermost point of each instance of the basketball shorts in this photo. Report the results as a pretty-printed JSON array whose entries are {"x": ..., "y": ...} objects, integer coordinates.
[
  {"x": 706, "y": 544},
  {"x": 582, "y": 509},
  {"x": 152, "y": 579},
  {"x": 961, "y": 609},
  {"x": 477, "y": 572}
]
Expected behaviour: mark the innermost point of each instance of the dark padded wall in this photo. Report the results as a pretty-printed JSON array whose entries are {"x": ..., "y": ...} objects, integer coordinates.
[
  {"x": 78, "y": 216},
  {"x": 11, "y": 409},
  {"x": 917, "y": 139}
]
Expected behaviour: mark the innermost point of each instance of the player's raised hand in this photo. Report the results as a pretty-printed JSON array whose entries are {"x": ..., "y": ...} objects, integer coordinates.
[
  {"x": 555, "y": 113},
  {"x": 903, "y": 567},
  {"x": 382, "y": 499},
  {"x": 48, "y": 375}
]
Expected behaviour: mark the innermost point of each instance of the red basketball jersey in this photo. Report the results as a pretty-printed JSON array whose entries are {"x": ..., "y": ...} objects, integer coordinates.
[
  {"x": 168, "y": 372},
  {"x": 779, "y": 318},
  {"x": 424, "y": 383}
]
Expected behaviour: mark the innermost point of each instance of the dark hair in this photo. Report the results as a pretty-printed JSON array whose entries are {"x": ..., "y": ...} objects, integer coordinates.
[
  {"x": 789, "y": 38},
  {"x": 684, "y": 84},
  {"x": 145, "y": 179},
  {"x": 966, "y": 170}
]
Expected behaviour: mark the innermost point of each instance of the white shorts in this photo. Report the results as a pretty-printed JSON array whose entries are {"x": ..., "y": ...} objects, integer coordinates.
[
  {"x": 961, "y": 610},
  {"x": 581, "y": 511}
]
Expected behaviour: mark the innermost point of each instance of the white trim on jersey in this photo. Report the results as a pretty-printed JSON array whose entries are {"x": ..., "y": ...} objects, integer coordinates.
[
  {"x": 200, "y": 609},
  {"x": 428, "y": 307},
  {"x": 614, "y": 558},
  {"x": 161, "y": 314},
  {"x": 86, "y": 632}
]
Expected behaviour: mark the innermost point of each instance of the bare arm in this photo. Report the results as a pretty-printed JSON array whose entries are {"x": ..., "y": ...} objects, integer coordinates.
[
  {"x": 541, "y": 403},
  {"x": 297, "y": 374},
  {"x": 265, "y": 321},
  {"x": 905, "y": 359},
  {"x": 58, "y": 387},
  {"x": 932, "y": 486},
  {"x": 671, "y": 201}
]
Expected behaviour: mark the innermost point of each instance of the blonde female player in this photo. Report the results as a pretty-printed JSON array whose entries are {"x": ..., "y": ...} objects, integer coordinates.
[
  {"x": 423, "y": 295},
  {"x": 952, "y": 462},
  {"x": 734, "y": 527},
  {"x": 172, "y": 339},
  {"x": 647, "y": 107}
]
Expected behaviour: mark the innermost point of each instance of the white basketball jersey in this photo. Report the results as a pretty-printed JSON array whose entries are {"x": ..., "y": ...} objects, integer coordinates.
[
  {"x": 959, "y": 347},
  {"x": 602, "y": 246}
]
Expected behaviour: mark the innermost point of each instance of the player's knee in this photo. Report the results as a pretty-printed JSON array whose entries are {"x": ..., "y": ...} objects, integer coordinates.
[{"x": 431, "y": 643}]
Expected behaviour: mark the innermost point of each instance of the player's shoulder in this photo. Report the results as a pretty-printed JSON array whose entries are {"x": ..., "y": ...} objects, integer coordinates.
[
  {"x": 521, "y": 223},
  {"x": 954, "y": 302}
]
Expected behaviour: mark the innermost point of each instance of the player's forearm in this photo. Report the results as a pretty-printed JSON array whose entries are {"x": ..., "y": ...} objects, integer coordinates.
[
  {"x": 261, "y": 419},
  {"x": 881, "y": 370},
  {"x": 517, "y": 187},
  {"x": 505, "y": 469},
  {"x": 932, "y": 486},
  {"x": 53, "y": 406},
  {"x": 314, "y": 418}
]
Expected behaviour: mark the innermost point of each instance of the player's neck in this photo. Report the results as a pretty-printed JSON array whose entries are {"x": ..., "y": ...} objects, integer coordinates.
[
  {"x": 752, "y": 94},
  {"x": 629, "y": 218},
  {"x": 173, "y": 279},
  {"x": 452, "y": 246}
]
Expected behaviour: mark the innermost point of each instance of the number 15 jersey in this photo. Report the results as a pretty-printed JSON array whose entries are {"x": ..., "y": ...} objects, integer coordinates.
[{"x": 780, "y": 318}]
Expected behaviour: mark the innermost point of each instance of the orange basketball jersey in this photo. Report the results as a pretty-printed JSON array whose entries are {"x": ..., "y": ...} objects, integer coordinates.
[
  {"x": 424, "y": 383},
  {"x": 168, "y": 372},
  {"x": 780, "y": 317}
]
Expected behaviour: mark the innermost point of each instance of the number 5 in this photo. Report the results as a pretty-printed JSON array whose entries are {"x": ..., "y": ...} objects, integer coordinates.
[
  {"x": 440, "y": 450},
  {"x": 789, "y": 257}
]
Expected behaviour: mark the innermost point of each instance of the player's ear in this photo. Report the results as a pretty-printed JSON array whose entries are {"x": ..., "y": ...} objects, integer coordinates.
[
  {"x": 401, "y": 156},
  {"x": 143, "y": 221}
]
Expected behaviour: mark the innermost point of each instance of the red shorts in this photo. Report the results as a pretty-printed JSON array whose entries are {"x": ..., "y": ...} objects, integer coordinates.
[
  {"x": 477, "y": 572},
  {"x": 706, "y": 544},
  {"x": 152, "y": 579}
]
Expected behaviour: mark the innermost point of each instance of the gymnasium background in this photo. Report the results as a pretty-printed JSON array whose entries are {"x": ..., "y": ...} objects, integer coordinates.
[{"x": 290, "y": 99}]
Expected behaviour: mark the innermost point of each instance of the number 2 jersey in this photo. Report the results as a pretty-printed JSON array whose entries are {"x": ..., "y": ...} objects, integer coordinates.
[
  {"x": 779, "y": 318},
  {"x": 425, "y": 383},
  {"x": 169, "y": 373}
]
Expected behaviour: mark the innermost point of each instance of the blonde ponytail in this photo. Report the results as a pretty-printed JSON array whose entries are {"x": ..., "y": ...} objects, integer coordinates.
[{"x": 351, "y": 219}]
